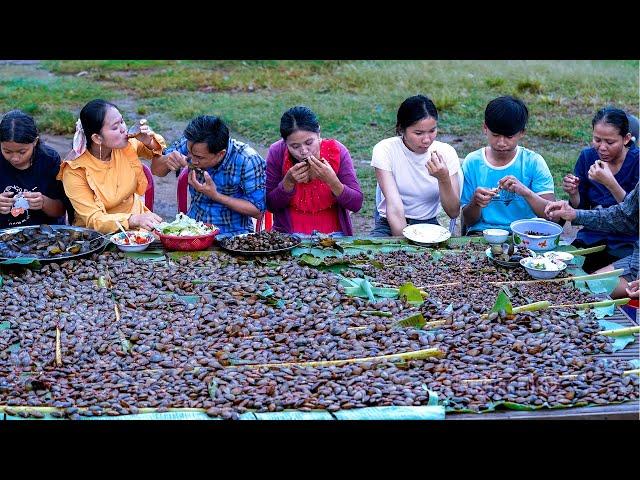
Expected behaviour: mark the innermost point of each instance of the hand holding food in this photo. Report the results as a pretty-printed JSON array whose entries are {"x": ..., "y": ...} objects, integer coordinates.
[
  {"x": 482, "y": 196},
  {"x": 560, "y": 210},
  {"x": 322, "y": 170},
  {"x": 570, "y": 184},
  {"x": 599, "y": 172},
  {"x": 437, "y": 167},
  {"x": 35, "y": 199}
]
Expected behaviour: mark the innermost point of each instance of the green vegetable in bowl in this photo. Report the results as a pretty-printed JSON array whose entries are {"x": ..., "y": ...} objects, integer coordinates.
[{"x": 185, "y": 226}]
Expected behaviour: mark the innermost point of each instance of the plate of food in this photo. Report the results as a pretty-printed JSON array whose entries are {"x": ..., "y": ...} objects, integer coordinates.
[
  {"x": 47, "y": 243},
  {"x": 263, "y": 243},
  {"x": 426, "y": 233}
]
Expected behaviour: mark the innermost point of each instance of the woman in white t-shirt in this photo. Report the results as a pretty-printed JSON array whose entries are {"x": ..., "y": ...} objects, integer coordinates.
[{"x": 415, "y": 173}]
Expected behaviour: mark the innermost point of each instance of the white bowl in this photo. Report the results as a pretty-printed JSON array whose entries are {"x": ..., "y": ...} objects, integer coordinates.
[
  {"x": 495, "y": 235},
  {"x": 552, "y": 270},
  {"x": 565, "y": 257},
  {"x": 117, "y": 238}
]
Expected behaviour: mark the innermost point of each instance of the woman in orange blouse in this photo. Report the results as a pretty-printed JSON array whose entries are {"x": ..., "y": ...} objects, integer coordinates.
[{"x": 103, "y": 176}]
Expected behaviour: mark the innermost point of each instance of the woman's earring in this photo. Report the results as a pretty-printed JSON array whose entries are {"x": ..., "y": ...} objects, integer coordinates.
[{"x": 100, "y": 145}]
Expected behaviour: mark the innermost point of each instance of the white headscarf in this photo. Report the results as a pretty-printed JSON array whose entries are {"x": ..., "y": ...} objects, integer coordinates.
[{"x": 79, "y": 143}]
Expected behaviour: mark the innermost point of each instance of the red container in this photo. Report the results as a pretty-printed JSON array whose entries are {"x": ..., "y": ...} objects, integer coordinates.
[{"x": 188, "y": 244}]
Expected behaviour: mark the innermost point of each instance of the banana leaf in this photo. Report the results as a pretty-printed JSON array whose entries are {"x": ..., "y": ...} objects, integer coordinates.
[
  {"x": 30, "y": 261},
  {"x": 150, "y": 255},
  {"x": 198, "y": 254},
  {"x": 189, "y": 298},
  {"x": 635, "y": 362},
  {"x": 620, "y": 342},
  {"x": 461, "y": 241},
  {"x": 268, "y": 292},
  {"x": 294, "y": 415},
  {"x": 502, "y": 303},
  {"x": 1, "y": 280},
  {"x": 359, "y": 287},
  {"x": 410, "y": 293},
  {"x": 393, "y": 413},
  {"x": 6, "y": 325},
  {"x": 520, "y": 406},
  {"x": 309, "y": 259},
  {"x": 415, "y": 321},
  {"x": 316, "y": 252}
]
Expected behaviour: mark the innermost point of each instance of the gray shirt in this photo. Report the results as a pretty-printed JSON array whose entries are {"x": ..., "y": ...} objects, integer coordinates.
[{"x": 622, "y": 218}]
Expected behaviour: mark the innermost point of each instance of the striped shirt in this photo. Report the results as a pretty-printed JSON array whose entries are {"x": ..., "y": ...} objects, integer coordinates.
[{"x": 241, "y": 174}]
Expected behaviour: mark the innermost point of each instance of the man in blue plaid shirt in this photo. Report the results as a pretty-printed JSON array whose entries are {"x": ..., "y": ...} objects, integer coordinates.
[{"x": 227, "y": 177}]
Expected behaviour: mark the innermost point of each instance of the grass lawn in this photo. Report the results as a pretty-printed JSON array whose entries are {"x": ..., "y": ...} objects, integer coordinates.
[{"x": 356, "y": 101}]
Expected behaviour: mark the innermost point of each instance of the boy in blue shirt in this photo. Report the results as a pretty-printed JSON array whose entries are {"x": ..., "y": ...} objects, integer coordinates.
[{"x": 504, "y": 182}]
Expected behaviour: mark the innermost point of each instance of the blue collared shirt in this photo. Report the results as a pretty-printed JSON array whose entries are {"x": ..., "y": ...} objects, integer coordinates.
[{"x": 241, "y": 174}]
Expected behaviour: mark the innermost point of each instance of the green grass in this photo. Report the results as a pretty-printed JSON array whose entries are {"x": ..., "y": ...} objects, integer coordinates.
[{"x": 356, "y": 101}]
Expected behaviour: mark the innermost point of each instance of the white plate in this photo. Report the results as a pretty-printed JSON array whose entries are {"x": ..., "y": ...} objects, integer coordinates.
[{"x": 426, "y": 233}]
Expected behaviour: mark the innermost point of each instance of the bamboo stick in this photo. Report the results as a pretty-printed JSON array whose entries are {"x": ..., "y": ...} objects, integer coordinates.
[
  {"x": 620, "y": 331},
  {"x": 593, "y": 276},
  {"x": 632, "y": 372},
  {"x": 435, "y": 323},
  {"x": 603, "y": 303},
  {"x": 115, "y": 306},
  {"x": 415, "y": 355},
  {"x": 585, "y": 251},
  {"x": 545, "y": 305},
  {"x": 58, "y": 348}
]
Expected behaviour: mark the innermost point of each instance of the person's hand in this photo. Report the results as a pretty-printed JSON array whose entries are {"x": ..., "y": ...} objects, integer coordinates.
[
  {"x": 6, "y": 202},
  {"x": 633, "y": 289},
  {"x": 560, "y": 209},
  {"x": 175, "y": 161},
  {"x": 482, "y": 196},
  {"x": 570, "y": 184},
  {"x": 321, "y": 170},
  {"x": 208, "y": 188},
  {"x": 147, "y": 221},
  {"x": 298, "y": 173},
  {"x": 437, "y": 167},
  {"x": 512, "y": 184},
  {"x": 146, "y": 134},
  {"x": 599, "y": 172},
  {"x": 35, "y": 199}
]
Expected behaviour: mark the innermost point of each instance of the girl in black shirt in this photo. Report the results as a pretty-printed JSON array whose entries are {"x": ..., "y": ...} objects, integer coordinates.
[{"x": 29, "y": 191}]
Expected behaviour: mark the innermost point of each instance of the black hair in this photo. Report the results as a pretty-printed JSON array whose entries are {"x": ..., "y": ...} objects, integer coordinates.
[
  {"x": 298, "y": 118},
  {"x": 208, "y": 129},
  {"x": 414, "y": 109},
  {"x": 506, "y": 115},
  {"x": 614, "y": 117},
  {"x": 17, "y": 126},
  {"x": 92, "y": 117}
]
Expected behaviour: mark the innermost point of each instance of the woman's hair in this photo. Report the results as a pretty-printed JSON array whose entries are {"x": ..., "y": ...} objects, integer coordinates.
[
  {"x": 208, "y": 129},
  {"x": 17, "y": 126},
  {"x": 614, "y": 117},
  {"x": 92, "y": 117},
  {"x": 414, "y": 109},
  {"x": 506, "y": 115},
  {"x": 298, "y": 118}
]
